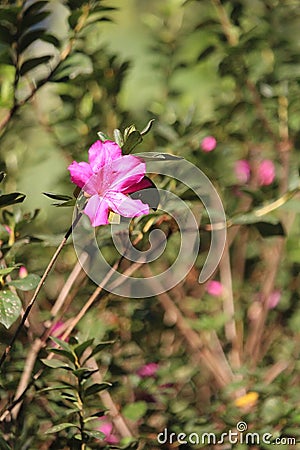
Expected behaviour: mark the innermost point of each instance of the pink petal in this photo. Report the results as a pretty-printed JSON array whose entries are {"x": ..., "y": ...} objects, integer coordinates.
[
  {"x": 125, "y": 206},
  {"x": 214, "y": 288},
  {"x": 242, "y": 170},
  {"x": 208, "y": 143},
  {"x": 143, "y": 184},
  {"x": 148, "y": 370},
  {"x": 266, "y": 172},
  {"x": 97, "y": 210},
  {"x": 126, "y": 172},
  {"x": 80, "y": 173},
  {"x": 102, "y": 153}
]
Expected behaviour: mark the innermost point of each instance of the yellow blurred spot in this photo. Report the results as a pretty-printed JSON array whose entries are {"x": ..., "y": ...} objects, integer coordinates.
[{"x": 246, "y": 400}]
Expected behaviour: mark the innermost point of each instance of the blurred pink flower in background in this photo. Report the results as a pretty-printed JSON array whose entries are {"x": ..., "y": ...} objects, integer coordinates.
[
  {"x": 214, "y": 288},
  {"x": 106, "y": 427},
  {"x": 23, "y": 272},
  {"x": 266, "y": 172},
  {"x": 274, "y": 299},
  {"x": 58, "y": 329},
  {"x": 208, "y": 143},
  {"x": 107, "y": 179},
  {"x": 242, "y": 170},
  {"x": 148, "y": 370}
]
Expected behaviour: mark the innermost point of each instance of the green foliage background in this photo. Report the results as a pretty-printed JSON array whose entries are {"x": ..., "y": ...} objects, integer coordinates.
[{"x": 209, "y": 67}]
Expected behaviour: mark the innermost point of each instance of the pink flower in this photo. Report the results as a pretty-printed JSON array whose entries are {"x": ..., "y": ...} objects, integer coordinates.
[
  {"x": 274, "y": 299},
  {"x": 23, "y": 272},
  {"x": 106, "y": 428},
  {"x": 266, "y": 172},
  {"x": 107, "y": 179},
  {"x": 214, "y": 288},
  {"x": 148, "y": 370},
  {"x": 58, "y": 330},
  {"x": 208, "y": 143},
  {"x": 242, "y": 170}
]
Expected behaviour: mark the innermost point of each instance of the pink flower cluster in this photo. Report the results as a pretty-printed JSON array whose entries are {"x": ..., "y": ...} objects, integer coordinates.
[
  {"x": 266, "y": 172},
  {"x": 208, "y": 144},
  {"x": 214, "y": 288},
  {"x": 107, "y": 179}
]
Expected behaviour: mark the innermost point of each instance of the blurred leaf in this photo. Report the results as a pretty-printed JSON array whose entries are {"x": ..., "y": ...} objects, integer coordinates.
[
  {"x": 26, "y": 284},
  {"x": 62, "y": 344},
  {"x": 57, "y": 196},
  {"x": 95, "y": 434},
  {"x": 147, "y": 127},
  {"x": 83, "y": 373},
  {"x": 2, "y": 176},
  {"x": 60, "y": 427},
  {"x": 35, "y": 7},
  {"x": 11, "y": 199},
  {"x": 30, "y": 20},
  {"x": 76, "y": 64},
  {"x": 97, "y": 387},
  {"x": 51, "y": 39},
  {"x": 10, "y": 308},
  {"x": 32, "y": 63},
  {"x": 4, "y": 445},
  {"x": 99, "y": 348},
  {"x": 135, "y": 411},
  {"x": 29, "y": 37},
  {"x": 65, "y": 204},
  {"x": 270, "y": 229}
]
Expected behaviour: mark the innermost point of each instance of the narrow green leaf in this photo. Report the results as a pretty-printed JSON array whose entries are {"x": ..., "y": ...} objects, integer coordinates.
[
  {"x": 65, "y": 204},
  {"x": 29, "y": 37},
  {"x": 11, "y": 199},
  {"x": 55, "y": 388},
  {"x": 7, "y": 270},
  {"x": 64, "y": 353},
  {"x": 103, "y": 137},
  {"x": 56, "y": 364},
  {"x": 62, "y": 344},
  {"x": 26, "y": 284},
  {"x": 35, "y": 7},
  {"x": 134, "y": 138},
  {"x": 62, "y": 197},
  {"x": 84, "y": 373},
  {"x": 60, "y": 427},
  {"x": 33, "y": 19},
  {"x": 2, "y": 176},
  {"x": 51, "y": 39},
  {"x": 97, "y": 387},
  {"x": 10, "y": 308},
  {"x": 32, "y": 63},
  {"x": 80, "y": 348},
  {"x": 95, "y": 434},
  {"x": 100, "y": 347},
  {"x": 155, "y": 156},
  {"x": 4, "y": 445},
  {"x": 147, "y": 127}
]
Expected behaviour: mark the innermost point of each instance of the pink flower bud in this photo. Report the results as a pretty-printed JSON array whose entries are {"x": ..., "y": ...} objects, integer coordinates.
[
  {"x": 274, "y": 299},
  {"x": 266, "y": 172},
  {"x": 23, "y": 272},
  {"x": 214, "y": 288},
  {"x": 8, "y": 229},
  {"x": 148, "y": 370},
  {"x": 208, "y": 143},
  {"x": 242, "y": 170}
]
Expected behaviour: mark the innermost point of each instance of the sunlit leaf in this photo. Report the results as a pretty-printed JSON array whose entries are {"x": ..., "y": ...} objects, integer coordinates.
[
  {"x": 60, "y": 427},
  {"x": 10, "y": 308},
  {"x": 32, "y": 63}
]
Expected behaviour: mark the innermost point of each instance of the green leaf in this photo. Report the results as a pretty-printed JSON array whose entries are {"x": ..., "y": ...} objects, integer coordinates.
[
  {"x": 7, "y": 270},
  {"x": 7, "y": 36},
  {"x": 83, "y": 373},
  {"x": 97, "y": 387},
  {"x": 135, "y": 411},
  {"x": 134, "y": 138},
  {"x": 65, "y": 204},
  {"x": 147, "y": 127},
  {"x": 60, "y": 427},
  {"x": 63, "y": 344},
  {"x": 33, "y": 19},
  {"x": 80, "y": 349},
  {"x": 66, "y": 354},
  {"x": 10, "y": 308},
  {"x": 32, "y": 63},
  {"x": 155, "y": 156},
  {"x": 270, "y": 229},
  {"x": 35, "y": 7},
  {"x": 95, "y": 434},
  {"x": 58, "y": 196},
  {"x": 99, "y": 348},
  {"x": 2, "y": 176},
  {"x": 11, "y": 199},
  {"x": 26, "y": 284},
  {"x": 56, "y": 364},
  {"x": 50, "y": 39},
  {"x": 29, "y": 37},
  {"x": 4, "y": 445}
]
